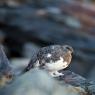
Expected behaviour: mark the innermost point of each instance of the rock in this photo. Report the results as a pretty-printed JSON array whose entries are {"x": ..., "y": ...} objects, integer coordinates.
[
  {"x": 37, "y": 82},
  {"x": 91, "y": 89},
  {"x": 77, "y": 81},
  {"x": 72, "y": 78},
  {"x": 29, "y": 50},
  {"x": 19, "y": 64},
  {"x": 6, "y": 71},
  {"x": 2, "y": 37}
]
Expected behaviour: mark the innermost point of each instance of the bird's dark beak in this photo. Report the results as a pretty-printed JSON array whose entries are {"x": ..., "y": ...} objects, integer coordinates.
[{"x": 69, "y": 48}]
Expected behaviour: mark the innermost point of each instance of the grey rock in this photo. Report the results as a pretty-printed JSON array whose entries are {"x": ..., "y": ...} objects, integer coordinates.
[
  {"x": 37, "y": 82},
  {"x": 29, "y": 50},
  {"x": 6, "y": 71},
  {"x": 19, "y": 64}
]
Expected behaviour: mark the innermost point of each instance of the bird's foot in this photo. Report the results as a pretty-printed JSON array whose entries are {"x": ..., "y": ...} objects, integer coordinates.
[{"x": 56, "y": 74}]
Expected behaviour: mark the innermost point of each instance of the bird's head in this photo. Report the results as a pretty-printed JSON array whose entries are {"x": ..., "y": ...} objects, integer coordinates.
[{"x": 68, "y": 48}]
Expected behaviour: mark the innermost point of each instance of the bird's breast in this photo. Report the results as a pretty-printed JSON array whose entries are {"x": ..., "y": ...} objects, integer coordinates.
[{"x": 57, "y": 65}]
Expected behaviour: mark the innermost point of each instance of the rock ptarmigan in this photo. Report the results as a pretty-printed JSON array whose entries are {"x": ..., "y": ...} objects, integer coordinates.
[{"x": 52, "y": 58}]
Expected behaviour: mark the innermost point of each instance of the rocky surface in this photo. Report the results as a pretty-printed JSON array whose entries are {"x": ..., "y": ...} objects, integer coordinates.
[
  {"x": 38, "y": 82},
  {"x": 6, "y": 71}
]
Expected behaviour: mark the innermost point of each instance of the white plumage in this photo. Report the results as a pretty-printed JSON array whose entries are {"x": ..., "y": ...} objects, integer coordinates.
[{"x": 57, "y": 65}]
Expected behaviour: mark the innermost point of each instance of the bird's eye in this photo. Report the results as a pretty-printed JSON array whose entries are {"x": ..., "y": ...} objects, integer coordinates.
[{"x": 69, "y": 48}]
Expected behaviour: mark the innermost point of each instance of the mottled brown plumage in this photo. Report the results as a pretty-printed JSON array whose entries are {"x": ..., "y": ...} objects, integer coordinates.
[{"x": 52, "y": 58}]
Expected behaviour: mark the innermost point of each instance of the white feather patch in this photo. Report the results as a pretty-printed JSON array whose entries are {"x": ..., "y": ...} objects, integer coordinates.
[
  {"x": 37, "y": 63},
  {"x": 58, "y": 65},
  {"x": 49, "y": 55}
]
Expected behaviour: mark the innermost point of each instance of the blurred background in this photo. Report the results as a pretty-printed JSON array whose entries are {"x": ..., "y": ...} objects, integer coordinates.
[{"x": 27, "y": 25}]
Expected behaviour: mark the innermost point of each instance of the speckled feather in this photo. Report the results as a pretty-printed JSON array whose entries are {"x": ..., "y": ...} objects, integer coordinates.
[{"x": 51, "y": 54}]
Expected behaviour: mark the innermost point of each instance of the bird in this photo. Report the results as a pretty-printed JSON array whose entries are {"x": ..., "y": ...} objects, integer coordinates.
[{"x": 52, "y": 58}]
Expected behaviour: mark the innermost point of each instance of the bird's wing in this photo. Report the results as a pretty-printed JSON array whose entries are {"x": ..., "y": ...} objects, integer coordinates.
[{"x": 31, "y": 63}]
